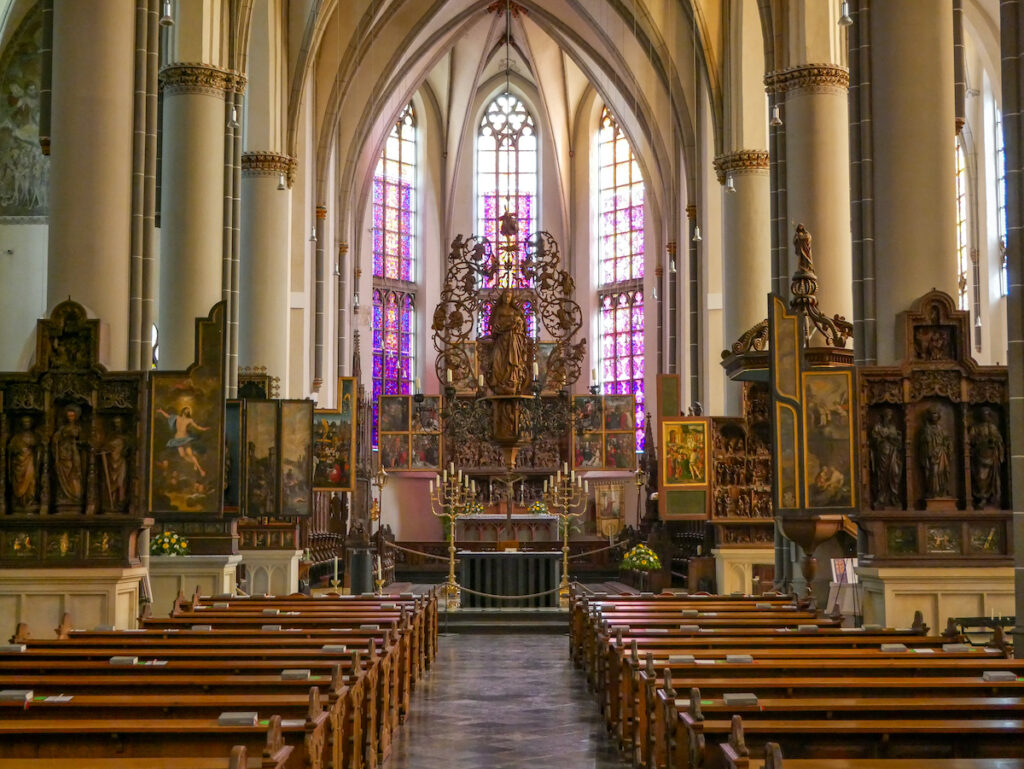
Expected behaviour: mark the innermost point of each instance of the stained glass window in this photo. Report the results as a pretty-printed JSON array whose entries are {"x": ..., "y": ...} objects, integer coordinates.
[
  {"x": 506, "y": 180},
  {"x": 393, "y": 345},
  {"x": 394, "y": 202},
  {"x": 394, "y": 217},
  {"x": 1004, "y": 277},
  {"x": 621, "y": 267},
  {"x": 963, "y": 260}
]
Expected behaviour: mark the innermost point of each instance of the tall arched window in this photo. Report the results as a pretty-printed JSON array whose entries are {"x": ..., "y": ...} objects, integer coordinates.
[
  {"x": 394, "y": 263},
  {"x": 1000, "y": 142},
  {"x": 621, "y": 267},
  {"x": 506, "y": 176}
]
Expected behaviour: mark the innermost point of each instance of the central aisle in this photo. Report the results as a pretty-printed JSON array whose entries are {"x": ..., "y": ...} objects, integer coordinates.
[{"x": 503, "y": 701}]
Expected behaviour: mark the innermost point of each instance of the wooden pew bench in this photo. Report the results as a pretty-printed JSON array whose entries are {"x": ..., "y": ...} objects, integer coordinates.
[
  {"x": 773, "y": 760},
  {"x": 129, "y": 737},
  {"x": 274, "y": 757},
  {"x": 921, "y": 738}
]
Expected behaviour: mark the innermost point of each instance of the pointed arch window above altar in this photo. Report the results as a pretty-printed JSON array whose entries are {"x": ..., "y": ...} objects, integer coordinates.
[{"x": 507, "y": 176}]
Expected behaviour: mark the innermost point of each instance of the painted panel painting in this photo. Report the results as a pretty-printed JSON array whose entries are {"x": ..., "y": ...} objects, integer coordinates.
[
  {"x": 426, "y": 416},
  {"x": 296, "y": 433},
  {"x": 187, "y": 428},
  {"x": 233, "y": 455},
  {"x": 828, "y": 439},
  {"x": 685, "y": 452},
  {"x": 394, "y": 451},
  {"x": 425, "y": 452},
  {"x": 394, "y": 414},
  {"x": 619, "y": 451},
  {"x": 787, "y": 482},
  {"x": 334, "y": 438},
  {"x": 588, "y": 412},
  {"x": 619, "y": 412},
  {"x": 588, "y": 451},
  {"x": 260, "y": 458}
]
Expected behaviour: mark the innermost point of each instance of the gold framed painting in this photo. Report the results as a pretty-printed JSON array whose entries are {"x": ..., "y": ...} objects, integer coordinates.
[
  {"x": 334, "y": 441},
  {"x": 684, "y": 452}
]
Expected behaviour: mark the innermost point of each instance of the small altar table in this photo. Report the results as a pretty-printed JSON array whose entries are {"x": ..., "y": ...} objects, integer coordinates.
[{"x": 520, "y": 573}]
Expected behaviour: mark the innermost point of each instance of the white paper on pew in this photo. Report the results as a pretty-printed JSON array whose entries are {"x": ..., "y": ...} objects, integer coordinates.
[
  {"x": 123, "y": 660},
  {"x": 679, "y": 659},
  {"x": 292, "y": 723},
  {"x": 955, "y": 648},
  {"x": 705, "y": 662},
  {"x": 291, "y": 614},
  {"x": 734, "y": 699},
  {"x": 270, "y": 628},
  {"x": 367, "y": 595},
  {"x": 807, "y": 628},
  {"x": 220, "y": 606},
  {"x": 334, "y": 648},
  {"x": 202, "y": 628},
  {"x": 59, "y": 698},
  {"x": 657, "y": 630},
  {"x": 135, "y": 630},
  {"x": 154, "y": 663},
  {"x": 710, "y": 614},
  {"x": 894, "y": 647},
  {"x": 740, "y": 659},
  {"x": 691, "y": 613},
  {"x": 294, "y": 674},
  {"x": 924, "y": 651},
  {"x": 407, "y": 596},
  {"x": 689, "y": 628},
  {"x": 272, "y": 612},
  {"x": 998, "y": 675},
  {"x": 849, "y": 630},
  {"x": 200, "y": 608},
  {"x": 872, "y": 628},
  {"x": 388, "y": 606},
  {"x": 762, "y": 606},
  {"x": 369, "y": 627}
]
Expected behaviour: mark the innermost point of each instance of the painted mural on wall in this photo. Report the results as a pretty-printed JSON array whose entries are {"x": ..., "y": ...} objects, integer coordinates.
[
  {"x": 260, "y": 457},
  {"x": 24, "y": 170},
  {"x": 296, "y": 459},
  {"x": 334, "y": 442}
]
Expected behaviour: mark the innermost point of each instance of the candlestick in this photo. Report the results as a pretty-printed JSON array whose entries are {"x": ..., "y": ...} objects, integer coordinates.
[
  {"x": 335, "y": 570},
  {"x": 449, "y": 374},
  {"x": 431, "y": 486},
  {"x": 536, "y": 370},
  {"x": 480, "y": 381},
  {"x": 417, "y": 384},
  {"x": 565, "y": 467}
]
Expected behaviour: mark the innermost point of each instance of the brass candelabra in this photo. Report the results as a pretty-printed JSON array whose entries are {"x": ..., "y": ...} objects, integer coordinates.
[
  {"x": 566, "y": 494},
  {"x": 450, "y": 496},
  {"x": 380, "y": 480}
]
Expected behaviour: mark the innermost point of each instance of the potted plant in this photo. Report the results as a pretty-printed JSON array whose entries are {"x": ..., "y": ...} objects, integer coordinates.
[{"x": 168, "y": 543}]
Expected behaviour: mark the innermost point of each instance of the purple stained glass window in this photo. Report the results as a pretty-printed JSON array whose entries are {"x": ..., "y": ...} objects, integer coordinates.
[
  {"x": 621, "y": 266},
  {"x": 506, "y": 181},
  {"x": 393, "y": 344}
]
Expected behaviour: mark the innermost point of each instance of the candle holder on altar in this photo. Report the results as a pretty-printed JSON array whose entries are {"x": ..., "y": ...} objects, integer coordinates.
[
  {"x": 450, "y": 497},
  {"x": 566, "y": 495}
]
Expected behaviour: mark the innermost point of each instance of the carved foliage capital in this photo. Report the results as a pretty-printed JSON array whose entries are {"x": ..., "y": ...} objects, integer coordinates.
[
  {"x": 268, "y": 164},
  {"x": 740, "y": 161},
  {"x": 195, "y": 78},
  {"x": 818, "y": 78}
]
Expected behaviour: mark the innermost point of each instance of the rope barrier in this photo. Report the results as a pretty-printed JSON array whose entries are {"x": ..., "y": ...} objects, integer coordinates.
[
  {"x": 507, "y": 597},
  {"x": 418, "y": 552},
  {"x": 598, "y": 550}
]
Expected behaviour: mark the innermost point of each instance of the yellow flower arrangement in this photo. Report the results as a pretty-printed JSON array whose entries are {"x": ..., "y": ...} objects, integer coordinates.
[
  {"x": 168, "y": 543},
  {"x": 641, "y": 558}
]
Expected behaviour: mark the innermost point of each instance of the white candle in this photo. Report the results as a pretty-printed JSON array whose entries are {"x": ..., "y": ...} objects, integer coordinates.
[
  {"x": 586, "y": 487},
  {"x": 593, "y": 375},
  {"x": 449, "y": 374},
  {"x": 335, "y": 568},
  {"x": 545, "y": 485},
  {"x": 572, "y": 476},
  {"x": 460, "y": 476},
  {"x": 380, "y": 569},
  {"x": 431, "y": 487},
  {"x": 444, "y": 477},
  {"x": 417, "y": 384},
  {"x": 536, "y": 370},
  {"x": 480, "y": 381}
]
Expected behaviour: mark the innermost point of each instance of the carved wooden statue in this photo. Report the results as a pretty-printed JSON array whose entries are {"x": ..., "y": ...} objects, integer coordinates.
[
  {"x": 987, "y": 456},
  {"x": 935, "y": 455},
  {"x": 25, "y": 466},
  {"x": 510, "y": 354},
  {"x": 886, "y": 461}
]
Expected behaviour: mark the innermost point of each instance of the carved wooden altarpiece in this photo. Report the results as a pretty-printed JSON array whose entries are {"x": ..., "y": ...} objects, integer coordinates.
[
  {"x": 71, "y": 453},
  {"x": 934, "y": 469}
]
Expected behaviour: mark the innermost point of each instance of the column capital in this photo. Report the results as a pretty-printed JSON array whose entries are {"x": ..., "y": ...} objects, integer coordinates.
[
  {"x": 740, "y": 162},
  {"x": 814, "y": 78},
  {"x": 259, "y": 163},
  {"x": 197, "y": 78}
]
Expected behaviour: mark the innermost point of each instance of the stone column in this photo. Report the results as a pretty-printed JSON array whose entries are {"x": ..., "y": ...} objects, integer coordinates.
[
  {"x": 91, "y": 165},
  {"x": 818, "y": 174},
  {"x": 746, "y": 250},
  {"x": 192, "y": 202},
  {"x": 914, "y": 125},
  {"x": 264, "y": 281}
]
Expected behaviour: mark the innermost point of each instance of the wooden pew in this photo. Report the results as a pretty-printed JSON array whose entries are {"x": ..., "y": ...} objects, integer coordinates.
[
  {"x": 924, "y": 739},
  {"x": 773, "y": 760},
  {"x": 274, "y": 757}
]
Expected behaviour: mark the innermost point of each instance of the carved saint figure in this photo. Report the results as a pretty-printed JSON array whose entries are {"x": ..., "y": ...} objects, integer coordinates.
[
  {"x": 509, "y": 351},
  {"x": 114, "y": 459},
  {"x": 935, "y": 454},
  {"x": 67, "y": 446},
  {"x": 24, "y": 456},
  {"x": 180, "y": 424},
  {"x": 987, "y": 455},
  {"x": 886, "y": 461},
  {"x": 802, "y": 244}
]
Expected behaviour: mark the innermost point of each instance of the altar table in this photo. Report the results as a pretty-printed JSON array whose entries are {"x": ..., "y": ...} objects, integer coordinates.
[{"x": 519, "y": 573}]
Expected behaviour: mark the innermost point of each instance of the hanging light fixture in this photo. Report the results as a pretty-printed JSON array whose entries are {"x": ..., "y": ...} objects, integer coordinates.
[
  {"x": 233, "y": 122},
  {"x": 280, "y": 182},
  {"x": 672, "y": 265},
  {"x": 312, "y": 234},
  {"x": 696, "y": 234},
  {"x": 730, "y": 185},
  {"x": 776, "y": 120},
  {"x": 844, "y": 14},
  {"x": 166, "y": 20}
]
